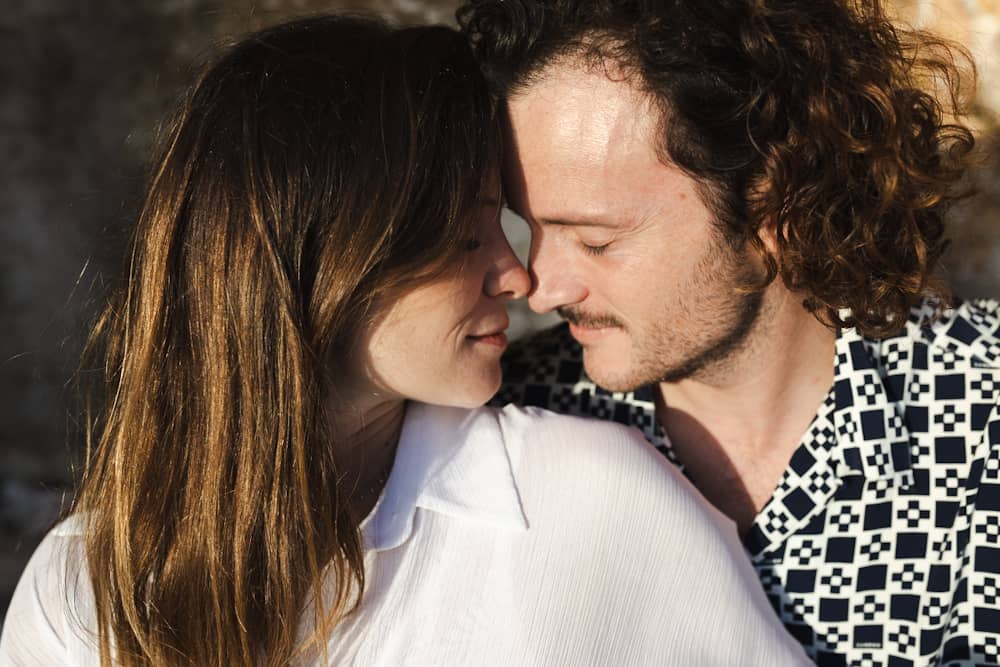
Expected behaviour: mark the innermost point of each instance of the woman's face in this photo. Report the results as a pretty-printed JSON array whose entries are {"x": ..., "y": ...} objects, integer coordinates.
[{"x": 441, "y": 342}]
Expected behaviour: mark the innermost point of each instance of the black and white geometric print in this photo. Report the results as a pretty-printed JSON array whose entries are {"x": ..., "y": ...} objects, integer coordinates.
[{"x": 881, "y": 543}]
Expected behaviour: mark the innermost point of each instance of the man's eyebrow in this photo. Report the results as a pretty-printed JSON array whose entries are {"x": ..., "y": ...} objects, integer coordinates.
[{"x": 593, "y": 222}]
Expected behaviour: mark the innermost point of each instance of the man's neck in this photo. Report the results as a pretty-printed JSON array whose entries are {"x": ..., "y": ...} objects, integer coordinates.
[{"x": 736, "y": 425}]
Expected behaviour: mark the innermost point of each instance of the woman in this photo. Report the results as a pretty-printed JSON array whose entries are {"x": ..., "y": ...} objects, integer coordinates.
[{"x": 316, "y": 299}]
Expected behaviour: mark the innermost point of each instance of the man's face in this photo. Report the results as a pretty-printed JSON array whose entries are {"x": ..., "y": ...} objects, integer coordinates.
[{"x": 622, "y": 245}]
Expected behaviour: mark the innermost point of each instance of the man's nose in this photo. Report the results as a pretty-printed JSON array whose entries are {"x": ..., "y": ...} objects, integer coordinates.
[{"x": 555, "y": 281}]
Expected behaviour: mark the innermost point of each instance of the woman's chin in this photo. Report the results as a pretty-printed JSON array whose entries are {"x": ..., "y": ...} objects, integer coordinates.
[{"x": 473, "y": 394}]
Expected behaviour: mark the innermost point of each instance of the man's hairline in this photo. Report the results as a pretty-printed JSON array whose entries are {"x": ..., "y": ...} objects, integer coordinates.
[{"x": 595, "y": 60}]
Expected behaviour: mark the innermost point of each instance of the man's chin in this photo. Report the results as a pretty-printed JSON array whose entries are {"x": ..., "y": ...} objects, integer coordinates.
[{"x": 610, "y": 371}]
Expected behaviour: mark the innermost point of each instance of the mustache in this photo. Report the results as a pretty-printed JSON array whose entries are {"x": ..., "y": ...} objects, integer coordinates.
[{"x": 587, "y": 320}]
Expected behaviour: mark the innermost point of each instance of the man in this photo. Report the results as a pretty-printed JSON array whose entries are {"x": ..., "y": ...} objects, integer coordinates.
[{"x": 737, "y": 206}]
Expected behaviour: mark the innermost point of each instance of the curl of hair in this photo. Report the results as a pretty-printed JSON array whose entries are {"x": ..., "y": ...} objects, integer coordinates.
[
  {"x": 819, "y": 125},
  {"x": 313, "y": 169}
]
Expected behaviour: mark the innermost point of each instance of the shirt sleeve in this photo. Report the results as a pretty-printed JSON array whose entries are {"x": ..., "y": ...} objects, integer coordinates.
[{"x": 42, "y": 613}]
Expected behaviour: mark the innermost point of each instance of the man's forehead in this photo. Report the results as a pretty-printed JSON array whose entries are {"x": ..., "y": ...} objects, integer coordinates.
[
  {"x": 581, "y": 110},
  {"x": 580, "y": 146}
]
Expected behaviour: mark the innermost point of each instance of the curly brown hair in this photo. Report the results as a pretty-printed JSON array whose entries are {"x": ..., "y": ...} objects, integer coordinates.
[{"x": 819, "y": 122}]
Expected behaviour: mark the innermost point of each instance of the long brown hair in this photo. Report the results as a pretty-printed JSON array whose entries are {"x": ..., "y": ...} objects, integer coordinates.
[
  {"x": 314, "y": 168},
  {"x": 818, "y": 121}
]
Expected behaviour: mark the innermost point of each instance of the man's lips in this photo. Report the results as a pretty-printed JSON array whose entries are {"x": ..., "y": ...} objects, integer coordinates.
[{"x": 589, "y": 334}]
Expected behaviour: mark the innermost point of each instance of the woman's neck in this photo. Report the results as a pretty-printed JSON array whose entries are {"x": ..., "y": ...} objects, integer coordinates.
[{"x": 367, "y": 433}]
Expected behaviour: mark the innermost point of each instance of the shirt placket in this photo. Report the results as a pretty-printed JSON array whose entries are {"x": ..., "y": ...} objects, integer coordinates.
[
  {"x": 805, "y": 489},
  {"x": 874, "y": 441},
  {"x": 859, "y": 431}
]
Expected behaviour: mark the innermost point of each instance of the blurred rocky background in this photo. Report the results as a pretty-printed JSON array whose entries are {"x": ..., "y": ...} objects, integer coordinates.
[{"x": 83, "y": 85}]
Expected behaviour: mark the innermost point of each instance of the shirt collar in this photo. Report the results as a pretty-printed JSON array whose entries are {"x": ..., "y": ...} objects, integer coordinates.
[
  {"x": 868, "y": 416},
  {"x": 450, "y": 461}
]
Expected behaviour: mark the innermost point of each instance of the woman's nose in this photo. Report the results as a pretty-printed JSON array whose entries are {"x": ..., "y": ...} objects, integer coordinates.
[{"x": 507, "y": 277}]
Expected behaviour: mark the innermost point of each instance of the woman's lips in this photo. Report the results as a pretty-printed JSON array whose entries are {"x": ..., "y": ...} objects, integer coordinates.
[{"x": 498, "y": 339}]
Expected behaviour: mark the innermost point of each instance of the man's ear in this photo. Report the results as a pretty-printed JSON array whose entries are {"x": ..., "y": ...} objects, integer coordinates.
[
  {"x": 768, "y": 233},
  {"x": 756, "y": 197}
]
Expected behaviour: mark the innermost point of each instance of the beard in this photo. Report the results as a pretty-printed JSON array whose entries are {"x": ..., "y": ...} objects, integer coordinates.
[
  {"x": 706, "y": 324},
  {"x": 735, "y": 325}
]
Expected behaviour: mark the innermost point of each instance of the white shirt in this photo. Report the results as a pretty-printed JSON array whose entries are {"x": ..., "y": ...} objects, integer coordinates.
[{"x": 503, "y": 537}]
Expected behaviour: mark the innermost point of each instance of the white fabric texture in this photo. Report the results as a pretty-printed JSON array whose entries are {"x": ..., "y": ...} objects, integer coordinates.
[{"x": 503, "y": 537}]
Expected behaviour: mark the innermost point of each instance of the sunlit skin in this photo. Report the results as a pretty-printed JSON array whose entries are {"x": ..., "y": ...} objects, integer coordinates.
[
  {"x": 624, "y": 247},
  {"x": 622, "y": 244},
  {"x": 441, "y": 342},
  {"x": 438, "y": 343}
]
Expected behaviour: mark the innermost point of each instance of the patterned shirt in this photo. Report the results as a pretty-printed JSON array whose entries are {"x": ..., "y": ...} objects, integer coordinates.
[{"x": 881, "y": 543}]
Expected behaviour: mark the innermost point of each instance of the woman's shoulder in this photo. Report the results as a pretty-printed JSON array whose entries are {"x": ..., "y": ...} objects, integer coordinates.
[
  {"x": 545, "y": 448},
  {"x": 541, "y": 420},
  {"x": 581, "y": 442},
  {"x": 569, "y": 463},
  {"x": 61, "y": 549},
  {"x": 609, "y": 508},
  {"x": 516, "y": 421},
  {"x": 612, "y": 464},
  {"x": 49, "y": 616},
  {"x": 544, "y": 432}
]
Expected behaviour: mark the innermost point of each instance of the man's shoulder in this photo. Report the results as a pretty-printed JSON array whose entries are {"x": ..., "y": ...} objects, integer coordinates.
[
  {"x": 943, "y": 372},
  {"x": 964, "y": 335}
]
